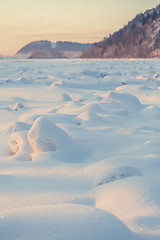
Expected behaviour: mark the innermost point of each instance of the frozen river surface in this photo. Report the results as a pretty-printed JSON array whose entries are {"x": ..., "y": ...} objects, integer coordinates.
[{"x": 80, "y": 149}]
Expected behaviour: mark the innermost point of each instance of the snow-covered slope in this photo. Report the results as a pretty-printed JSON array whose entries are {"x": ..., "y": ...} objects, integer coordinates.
[{"x": 79, "y": 149}]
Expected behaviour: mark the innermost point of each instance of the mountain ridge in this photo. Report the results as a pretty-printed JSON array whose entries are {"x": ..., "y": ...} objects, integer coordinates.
[
  {"x": 140, "y": 38},
  {"x": 48, "y": 49}
]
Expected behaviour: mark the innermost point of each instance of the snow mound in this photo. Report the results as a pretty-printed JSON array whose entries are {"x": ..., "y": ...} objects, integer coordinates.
[
  {"x": 45, "y": 136},
  {"x": 118, "y": 173},
  {"x": 70, "y": 108},
  {"x": 18, "y": 106},
  {"x": 41, "y": 135},
  {"x": 93, "y": 107},
  {"x": 149, "y": 147},
  {"x": 129, "y": 200},
  {"x": 62, "y": 222},
  {"x": 20, "y": 146},
  {"x": 89, "y": 118},
  {"x": 59, "y": 118},
  {"x": 151, "y": 112},
  {"x": 65, "y": 97},
  {"x": 57, "y": 84},
  {"x": 126, "y": 100},
  {"x": 21, "y": 126},
  {"x": 29, "y": 118},
  {"x": 23, "y": 80}
]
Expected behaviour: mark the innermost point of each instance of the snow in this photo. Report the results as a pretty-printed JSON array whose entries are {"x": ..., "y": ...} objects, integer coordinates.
[
  {"x": 54, "y": 44},
  {"x": 62, "y": 221},
  {"x": 79, "y": 149},
  {"x": 156, "y": 31}
]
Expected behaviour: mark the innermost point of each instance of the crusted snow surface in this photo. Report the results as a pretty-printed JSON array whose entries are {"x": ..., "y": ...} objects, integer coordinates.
[{"x": 79, "y": 149}]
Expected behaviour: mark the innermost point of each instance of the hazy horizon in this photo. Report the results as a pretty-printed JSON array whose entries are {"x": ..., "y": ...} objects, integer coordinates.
[{"x": 80, "y": 21}]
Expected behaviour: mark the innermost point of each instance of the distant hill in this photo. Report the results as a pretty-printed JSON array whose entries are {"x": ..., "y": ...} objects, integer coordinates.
[
  {"x": 47, "y": 49},
  {"x": 140, "y": 38}
]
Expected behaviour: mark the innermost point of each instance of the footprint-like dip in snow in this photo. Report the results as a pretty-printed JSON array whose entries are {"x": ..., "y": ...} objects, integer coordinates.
[
  {"x": 45, "y": 136},
  {"x": 62, "y": 222},
  {"x": 118, "y": 173}
]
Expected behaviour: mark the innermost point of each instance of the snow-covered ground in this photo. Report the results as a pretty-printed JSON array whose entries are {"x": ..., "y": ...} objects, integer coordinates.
[{"x": 80, "y": 149}]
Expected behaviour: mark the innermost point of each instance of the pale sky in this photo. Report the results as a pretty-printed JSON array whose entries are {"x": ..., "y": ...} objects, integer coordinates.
[{"x": 23, "y": 21}]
